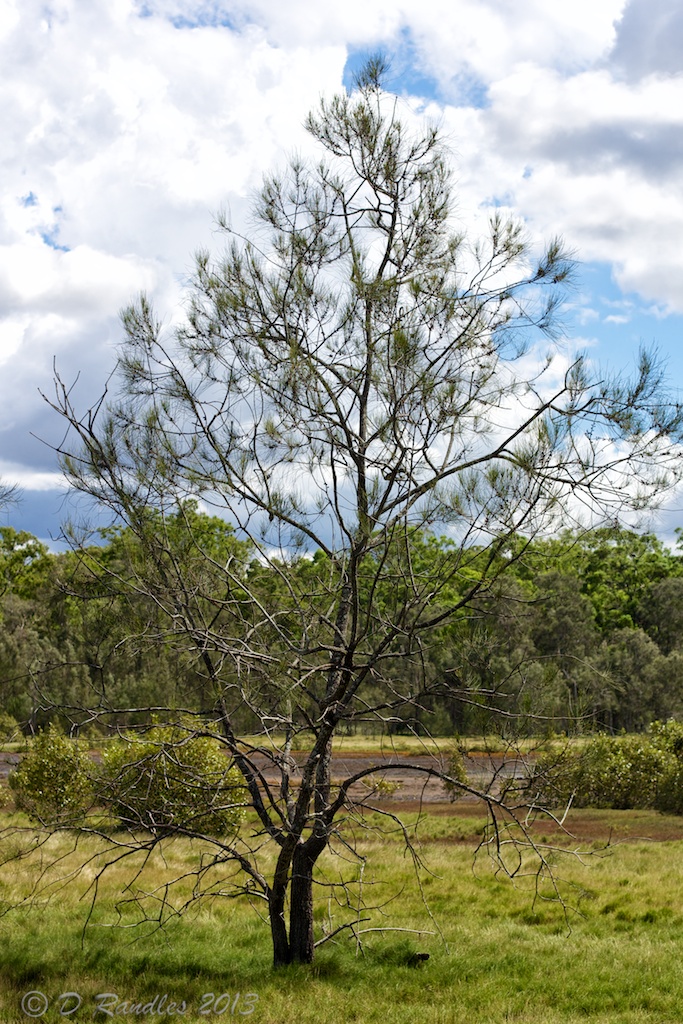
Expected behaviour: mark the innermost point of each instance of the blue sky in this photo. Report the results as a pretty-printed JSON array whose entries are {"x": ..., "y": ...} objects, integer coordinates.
[
  {"x": 618, "y": 322},
  {"x": 130, "y": 124},
  {"x": 614, "y": 321}
]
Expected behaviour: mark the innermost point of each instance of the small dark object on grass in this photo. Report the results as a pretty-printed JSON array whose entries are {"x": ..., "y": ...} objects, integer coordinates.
[{"x": 417, "y": 959}]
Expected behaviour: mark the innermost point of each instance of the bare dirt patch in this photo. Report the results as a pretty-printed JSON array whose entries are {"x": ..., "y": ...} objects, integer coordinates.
[{"x": 417, "y": 792}]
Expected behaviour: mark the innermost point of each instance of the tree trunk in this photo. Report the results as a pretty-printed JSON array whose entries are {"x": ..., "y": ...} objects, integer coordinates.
[
  {"x": 301, "y": 909},
  {"x": 276, "y": 910}
]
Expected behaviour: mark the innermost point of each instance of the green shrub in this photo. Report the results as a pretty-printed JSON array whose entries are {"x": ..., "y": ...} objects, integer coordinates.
[
  {"x": 9, "y": 728},
  {"x": 383, "y": 789},
  {"x": 455, "y": 767},
  {"x": 168, "y": 780},
  {"x": 615, "y": 771},
  {"x": 669, "y": 736},
  {"x": 53, "y": 782}
]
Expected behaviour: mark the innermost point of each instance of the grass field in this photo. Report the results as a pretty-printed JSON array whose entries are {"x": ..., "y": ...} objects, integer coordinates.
[
  {"x": 501, "y": 957},
  {"x": 374, "y": 745}
]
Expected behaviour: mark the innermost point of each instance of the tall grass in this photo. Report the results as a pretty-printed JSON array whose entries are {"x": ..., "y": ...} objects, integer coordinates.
[{"x": 501, "y": 956}]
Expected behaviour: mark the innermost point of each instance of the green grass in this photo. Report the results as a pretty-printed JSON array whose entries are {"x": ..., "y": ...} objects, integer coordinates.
[
  {"x": 409, "y": 744},
  {"x": 372, "y": 744},
  {"x": 616, "y": 958}
]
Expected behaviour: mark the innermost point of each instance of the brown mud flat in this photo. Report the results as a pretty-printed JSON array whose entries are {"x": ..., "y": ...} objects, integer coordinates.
[
  {"x": 411, "y": 784},
  {"x": 417, "y": 792},
  {"x": 8, "y": 762}
]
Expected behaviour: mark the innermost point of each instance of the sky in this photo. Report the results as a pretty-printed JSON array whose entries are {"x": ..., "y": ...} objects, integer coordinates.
[{"x": 129, "y": 124}]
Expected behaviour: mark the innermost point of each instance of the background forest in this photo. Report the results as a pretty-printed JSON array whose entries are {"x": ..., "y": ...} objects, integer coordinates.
[{"x": 581, "y": 633}]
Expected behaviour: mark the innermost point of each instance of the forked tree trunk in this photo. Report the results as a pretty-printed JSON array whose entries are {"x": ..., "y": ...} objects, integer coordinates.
[{"x": 298, "y": 947}]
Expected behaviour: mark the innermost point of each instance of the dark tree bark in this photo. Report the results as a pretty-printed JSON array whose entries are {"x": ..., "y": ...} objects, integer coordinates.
[
  {"x": 301, "y": 910},
  {"x": 278, "y": 928},
  {"x": 276, "y": 909}
]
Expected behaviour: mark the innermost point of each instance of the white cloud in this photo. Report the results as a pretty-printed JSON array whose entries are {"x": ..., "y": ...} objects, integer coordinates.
[
  {"x": 596, "y": 159},
  {"x": 122, "y": 136},
  {"x": 492, "y": 38},
  {"x": 615, "y": 318},
  {"x": 30, "y": 479},
  {"x": 82, "y": 281},
  {"x": 128, "y": 123},
  {"x": 12, "y": 330},
  {"x": 650, "y": 39}
]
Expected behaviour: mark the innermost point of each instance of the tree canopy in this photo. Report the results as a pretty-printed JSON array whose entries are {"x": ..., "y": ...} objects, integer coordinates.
[{"x": 352, "y": 381}]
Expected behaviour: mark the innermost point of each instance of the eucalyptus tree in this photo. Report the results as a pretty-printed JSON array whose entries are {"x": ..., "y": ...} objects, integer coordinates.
[{"x": 355, "y": 372}]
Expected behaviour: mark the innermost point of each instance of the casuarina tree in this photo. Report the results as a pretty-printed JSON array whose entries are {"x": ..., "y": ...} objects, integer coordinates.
[{"x": 353, "y": 378}]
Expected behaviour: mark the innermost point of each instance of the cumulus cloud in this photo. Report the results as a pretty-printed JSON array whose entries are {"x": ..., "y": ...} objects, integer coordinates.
[
  {"x": 129, "y": 123},
  {"x": 592, "y": 156},
  {"x": 124, "y": 132},
  {"x": 650, "y": 39}
]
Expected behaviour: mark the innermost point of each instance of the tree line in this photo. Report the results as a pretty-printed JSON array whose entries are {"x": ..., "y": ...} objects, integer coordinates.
[{"x": 582, "y": 632}]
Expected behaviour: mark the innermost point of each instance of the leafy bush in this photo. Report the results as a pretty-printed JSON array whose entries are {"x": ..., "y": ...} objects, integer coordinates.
[
  {"x": 615, "y": 771},
  {"x": 9, "y": 728},
  {"x": 53, "y": 782},
  {"x": 455, "y": 767},
  {"x": 383, "y": 789},
  {"x": 669, "y": 736},
  {"x": 168, "y": 780}
]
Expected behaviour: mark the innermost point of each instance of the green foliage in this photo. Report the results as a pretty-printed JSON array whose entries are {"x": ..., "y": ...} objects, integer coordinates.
[
  {"x": 9, "y": 728},
  {"x": 661, "y": 613},
  {"x": 669, "y": 737},
  {"x": 618, "y": 567},
  {"x": 622, "y": 772},
  {"x": 163, "y": 781},
  {"x": 24, "y": 563},
  {"x": 171, "y": 780},
  {"x": 455, "y": 768},
  {"x": 583, "y": 629},
  {"x": 53, "y": 783},
  {"x": 383, "y": 789}
]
